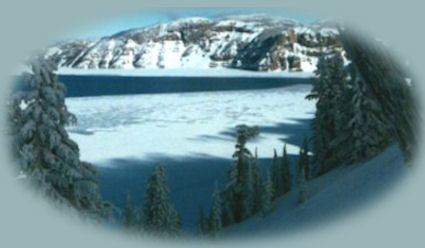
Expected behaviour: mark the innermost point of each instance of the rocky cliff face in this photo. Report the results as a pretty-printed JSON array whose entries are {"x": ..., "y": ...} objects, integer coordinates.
[{"x": 255, "y": 42}]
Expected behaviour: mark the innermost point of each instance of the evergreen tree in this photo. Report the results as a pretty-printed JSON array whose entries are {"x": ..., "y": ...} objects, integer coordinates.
[
  {"x": 247, "y": 193},
  {"x": 305, "y": 159},
  {"x": 239, "y": 192},
  {"x": 267, "y": 196},
  {"x": 130, "y": 216},
  {"x": 328, "y": 124},
  {"x": 214, "y": 218},
  {"x": 258, "y": 183},
  {"x": 367, "y": 131},
  {"x": 203, "y": 224},
  {"x": 276, "y": 177},
  {"x": 173, "y": 222},
  {"x": 385, "y": 82},
  {"x": 159, "y": 216},
  {"x": 300, "y": 179},
  {"x": 42, "y": 148},
  {"x": 360, "y": 115},
  {"x": 179, "y": 222},
  {"x": 286, "y": 175},
  {"x": 229, "y": 199},
  {"x": 321, "y": 124}
]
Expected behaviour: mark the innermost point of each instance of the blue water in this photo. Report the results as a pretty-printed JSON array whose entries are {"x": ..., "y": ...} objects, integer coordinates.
[{"x": 91, "y": 85}]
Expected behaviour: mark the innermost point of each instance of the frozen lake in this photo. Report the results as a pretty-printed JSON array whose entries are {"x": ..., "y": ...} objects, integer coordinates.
[
  {"x": 181, "y": 124},
  {"x": 192, "y": 133}
]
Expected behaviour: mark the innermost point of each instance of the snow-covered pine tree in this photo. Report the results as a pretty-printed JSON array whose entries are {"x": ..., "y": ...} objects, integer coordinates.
[
  {"x": 329, "y": 90},
  {"x": 286, "y": 175},
  {"x": 337, "y": 107},
  {"x": 229, "y": 198},
  {"x": 159, "y": 217},
  {"x": 214, "y": 218},
  {"x": 386, "y": 82},
  {"x": 358, "y": 116},
  {"x": 42, "y": 148},
  {"x": 300, "y": 179},
  {"x": 321, "y": 80},
  {"x": 130, "y": 215},
  {"x": 371, "y": 132},
  {"x": 321, "y": 124},
  {"x": 173, "y": 222},
  {"x": 341, "y": 107},
  {"x": 247, "y": 190},
  {"x": 267, "y": 196},
  {"x": 276, "y": 176},
  {"x": 179, "y": 222},
  {"x": 202, "y": 222},
  {"x": 239, "y": 193},
  {"x": 258, "y": 183},
  {"x": 305, "y": 158}
]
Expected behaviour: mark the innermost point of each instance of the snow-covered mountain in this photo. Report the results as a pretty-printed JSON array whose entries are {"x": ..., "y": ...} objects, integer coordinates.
[{"x": 251, "y": 42}]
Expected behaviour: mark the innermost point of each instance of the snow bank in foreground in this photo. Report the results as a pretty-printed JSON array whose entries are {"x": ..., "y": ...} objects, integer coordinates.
[
  {"x": 331, "y": 195},
  {"x": 188, "y": 72}
]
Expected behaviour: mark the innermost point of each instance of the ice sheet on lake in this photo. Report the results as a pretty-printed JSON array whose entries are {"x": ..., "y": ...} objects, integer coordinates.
[{"x": 182, "y": 124}]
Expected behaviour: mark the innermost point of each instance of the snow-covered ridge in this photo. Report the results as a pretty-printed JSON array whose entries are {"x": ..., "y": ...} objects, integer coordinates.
[{"x": 249, "y": 42}]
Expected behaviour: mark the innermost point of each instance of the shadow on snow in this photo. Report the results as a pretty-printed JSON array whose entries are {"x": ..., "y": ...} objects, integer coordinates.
[
  {"x": 190, "y": 179},
  {"x": 292, "y": 133}
]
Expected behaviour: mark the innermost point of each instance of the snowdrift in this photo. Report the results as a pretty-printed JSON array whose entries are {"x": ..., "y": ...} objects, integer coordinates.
[{"x": 332, "y": 195}]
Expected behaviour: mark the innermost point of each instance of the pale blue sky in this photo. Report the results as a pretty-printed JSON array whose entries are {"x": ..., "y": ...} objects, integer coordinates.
[{"x": 155, "y": 16}]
